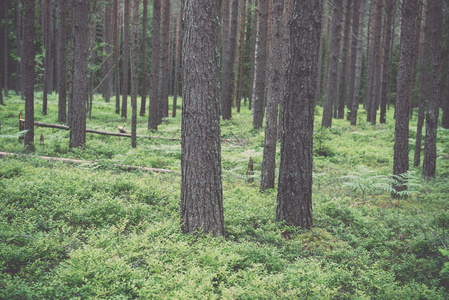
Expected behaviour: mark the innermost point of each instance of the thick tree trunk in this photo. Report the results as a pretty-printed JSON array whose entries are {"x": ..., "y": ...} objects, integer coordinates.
[
  {"x": 430, "y": 149},
  {"x": 404, "y": 80},
  {"x": 273, "y": 95},
  {"x": 294, "y": 199},
  {"x": 320, "y": 59},
  {"x": 342, "y": 90},
  {"x": 164, "y": 63},
  {"x": 153, "y": 115},
  {"x": 28, "y": 54},
  {"x": 62, "y": 104},
  {"x": 143, "y": 102},
  {"x": 201, "y": 187},
  {"x": 134, "y": 71},
  {"x": 177, "y": 63},
  {"x": 116, "y": 58},
  {"x": 445, "y": 105},
  {"x": 332, "y": 80},
  {"x": 261, "y": 65},
  {"x": 228, "y": 63},
  {"x": 5, "y": 47},
  {"x": 78, "y": 123},
  {"x": 125, "y": 60},
  {"x": 423, "y": 88}
]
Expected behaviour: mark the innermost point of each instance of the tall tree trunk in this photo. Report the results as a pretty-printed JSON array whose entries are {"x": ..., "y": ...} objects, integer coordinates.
[
  {"x": 125, "y": 61},
  {"x": 423, "y": 88},
  {"x": 163, "y": 70},
  {"x": 72, "y": 63},
  {"x": 355, "y": 31},
  {"x": 320, "y": 58},
  {"x": 106, "y": 87},
  {"x": 332, "y": 80},
  {"x": 6, "y": 55},
  {"x": 430, "y": 149},
  {"x": 253, "y": 55},
  {"x": 28, "y": 54},
  {"x": 47, "y": 42},
  {"x": 62, "y": 64},
  {"x": 78, "y": 123},
  {"x": 116, "y": 58},
  {"x": 153, "y": 115},
  {"x": 143, "y": 102},
  {"x": 134, "y": 70},
  {"x": 261, "y": 65},
  {"x": 228, "y": 64},
  {"x": 294, "y": 199},
  {"x": 51, "y": 48},
  {"x": 177, "y": 63},
  {"x": 445, "y": 106},
  {"x": 18, "y": 46},
  {"x": 344, "y": 62},
  {"x": 275, "y": 90},
  {"x": 386, "y": 60},
  {"x": 404, "y": 80},
  {"x": 91, "y": 58},
  {"x": 201, "y": 186},
  {"x": 239, "y": 89}
]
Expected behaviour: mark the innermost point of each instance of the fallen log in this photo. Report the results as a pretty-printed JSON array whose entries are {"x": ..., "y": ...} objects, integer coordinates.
[{"x": 70, "y": 160}]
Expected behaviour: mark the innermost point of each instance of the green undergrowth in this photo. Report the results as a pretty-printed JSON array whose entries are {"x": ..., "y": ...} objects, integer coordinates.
[{"x": 94, "y": 230}]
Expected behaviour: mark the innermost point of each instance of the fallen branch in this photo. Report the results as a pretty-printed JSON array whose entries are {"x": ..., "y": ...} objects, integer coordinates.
[{"x": 70, "y": 160}]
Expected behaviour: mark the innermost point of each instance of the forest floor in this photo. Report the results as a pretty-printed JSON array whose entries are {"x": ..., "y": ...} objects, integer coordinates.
[{"x": 95, "y": 230}]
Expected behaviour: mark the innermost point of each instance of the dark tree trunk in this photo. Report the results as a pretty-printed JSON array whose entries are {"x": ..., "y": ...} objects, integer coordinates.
[
  {"x": 153, "y": 115},
  {"x": 445, "y": 105},
  {"x": 47, "y": 42},
  {"x": 404, "y": 80},
  {"x": 274, "y": 93},
  {"x": 177, "y": 63},
  {"x": 107, "y": 48},
  {"x": 239, "y": 90},
  {"x": 344, "y": 62},
  {"x": 18, "y": 46},
  {"x": 116, "y": 58},
  {"x": 332, "y": 80},
  {"x": 358, "y": 66},
  {"x": 201, "y": 187},
  {"x": 430, "y": 149},
  {"x": 423, "y": 88},
  {"x": 78, "y": 123},
  {"x": 28, "y": 54},
  {"x": 294, "y": 199},
  {"x": 125, "y": 61},
  {"x": 143, "y": 102},
  {"x": 62, "y": 107},
  {"x": 320, "y": 59},
  {"x": 72, "y": 63},
  {"x": 5, "y": 47},
  {"x": 228, "y": 63},
  {"x": 355, "y": 31},
  {"x": 253, "y": 55},
  {"x": 163, "y": 71},
  {"x": 134, "y": 70},
  {"x": 386, "y": 60},
  {"x": 261, "y": 65}
]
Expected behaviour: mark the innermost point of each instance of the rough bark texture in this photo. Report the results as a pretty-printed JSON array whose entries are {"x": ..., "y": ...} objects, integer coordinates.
[
  {"x": 5, "y": 48},
  {"x": 62, "y": 105},
  {"x": 125, "y": 60},
  {"x": 177, "y": 64},
  {"x": 355, "y": 30},
  {"x": 404, "y": 80},
  {"x": 153, "y": 116},
  {"x": 320, "y": 59},
  {"x": 423, "y": 88},
  {"x": 239, "y": 91},
  {"x": 294, "y": 199},
  {"x": 261, "y": 65},
  {"x": 116, "y": 57},
  {"x": 332, "y": 77},
  {"x": 274, "y": 93},
  {"x": 445, "y": 118},
  {"x": 47, "y": 43},
  {"x": 228, "y": 64},
  {"x": 201, "y": 187},
  {"x": 165, "y": 57},
  {"x": 342, "y": 90},
  {"x": 386, "y": 60},
  {"x": 28, "y": 64},
  {"x": 253, "y": 55},
  {"x": 19, "y": 46},
  {"x": 78, "y": 123},
  {"x": 358, "y": 67},
  {"x": 134, "y": 71},
  {"x": 430, "y": 149},
  {"x": 143, "y": 102},
  {"x": 106, "y": 87}
]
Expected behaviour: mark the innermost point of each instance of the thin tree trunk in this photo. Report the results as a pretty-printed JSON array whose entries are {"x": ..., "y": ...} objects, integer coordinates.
[
  {"x": 355, "y": 31},
  {"x": 404, "y": 80},
  {"x": 163, "y": 67},
  {"x": 116, "y": 57},
  {"x": 344, "y": 62},
  {"x": 320, "y": 59},
  {"x": 134, "y": 70},
  {"x": 62, "y": 104},
  {"x": 294, "y": 199},
  {"x": 201, "y": 186},
  {"x": 143, "y": 102},
  {"x": 177, "y": 63},
  {"x": 332, "y": 81},
  {"x": 253, "y": 55},
  {"x": 261, "y": 62},
  {"x": 430, "y": 149},
  {"x": 239, "y": 89},
  {"x": 153, "y": 115},
  {"x": 28, "y": 54},
  {"x": 47, "y": 42},
  {"x": 105, "y": 68},
  {"x": 5, "y": 65},
  {"x": 19, "y": 47},
  {"x": 72, "y": 64},
  {"x": 125, "y": 61}
]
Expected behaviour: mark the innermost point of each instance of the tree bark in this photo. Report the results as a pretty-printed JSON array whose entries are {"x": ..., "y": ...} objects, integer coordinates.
[
  {"x": 239, "y": 90},
  {"x": 28, "y": 54},
  {"x": 404, "y": 80},
  {"x": 143, "y": 102},
  {"x": 423, "y": 88},
  {"x": 253, "y": 55},
  {"x": 5, "y": 47},
  {"x": 342, "y": 91},
  {"x": 201, "y": 186},
  {"x": 18, "y": 46},
  {"x": 107, "y": 49},
  {"x": 274, "y": 93},
  {"x": 332, "y": 80},
  {"x": 355, "y": 30},
  {"x": 430, "y": 149},
  {"x": 445, "y": 105},
  {"x": 62, "y": 104},
  {"x": 47, "y": 43},
  {"x": 134, "y": 71},
  {"x": 78, "y": 123},
  {"x": 294, "y": 199},
  {"x": 153, "y": 115},
  {"x": 164, "y": 63},
  {"x": 125, "y": 61},
  {"x": 177, "y": 63},
  {"x": 261, "y": 65},
  {"x": 116, "y": 58}
]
